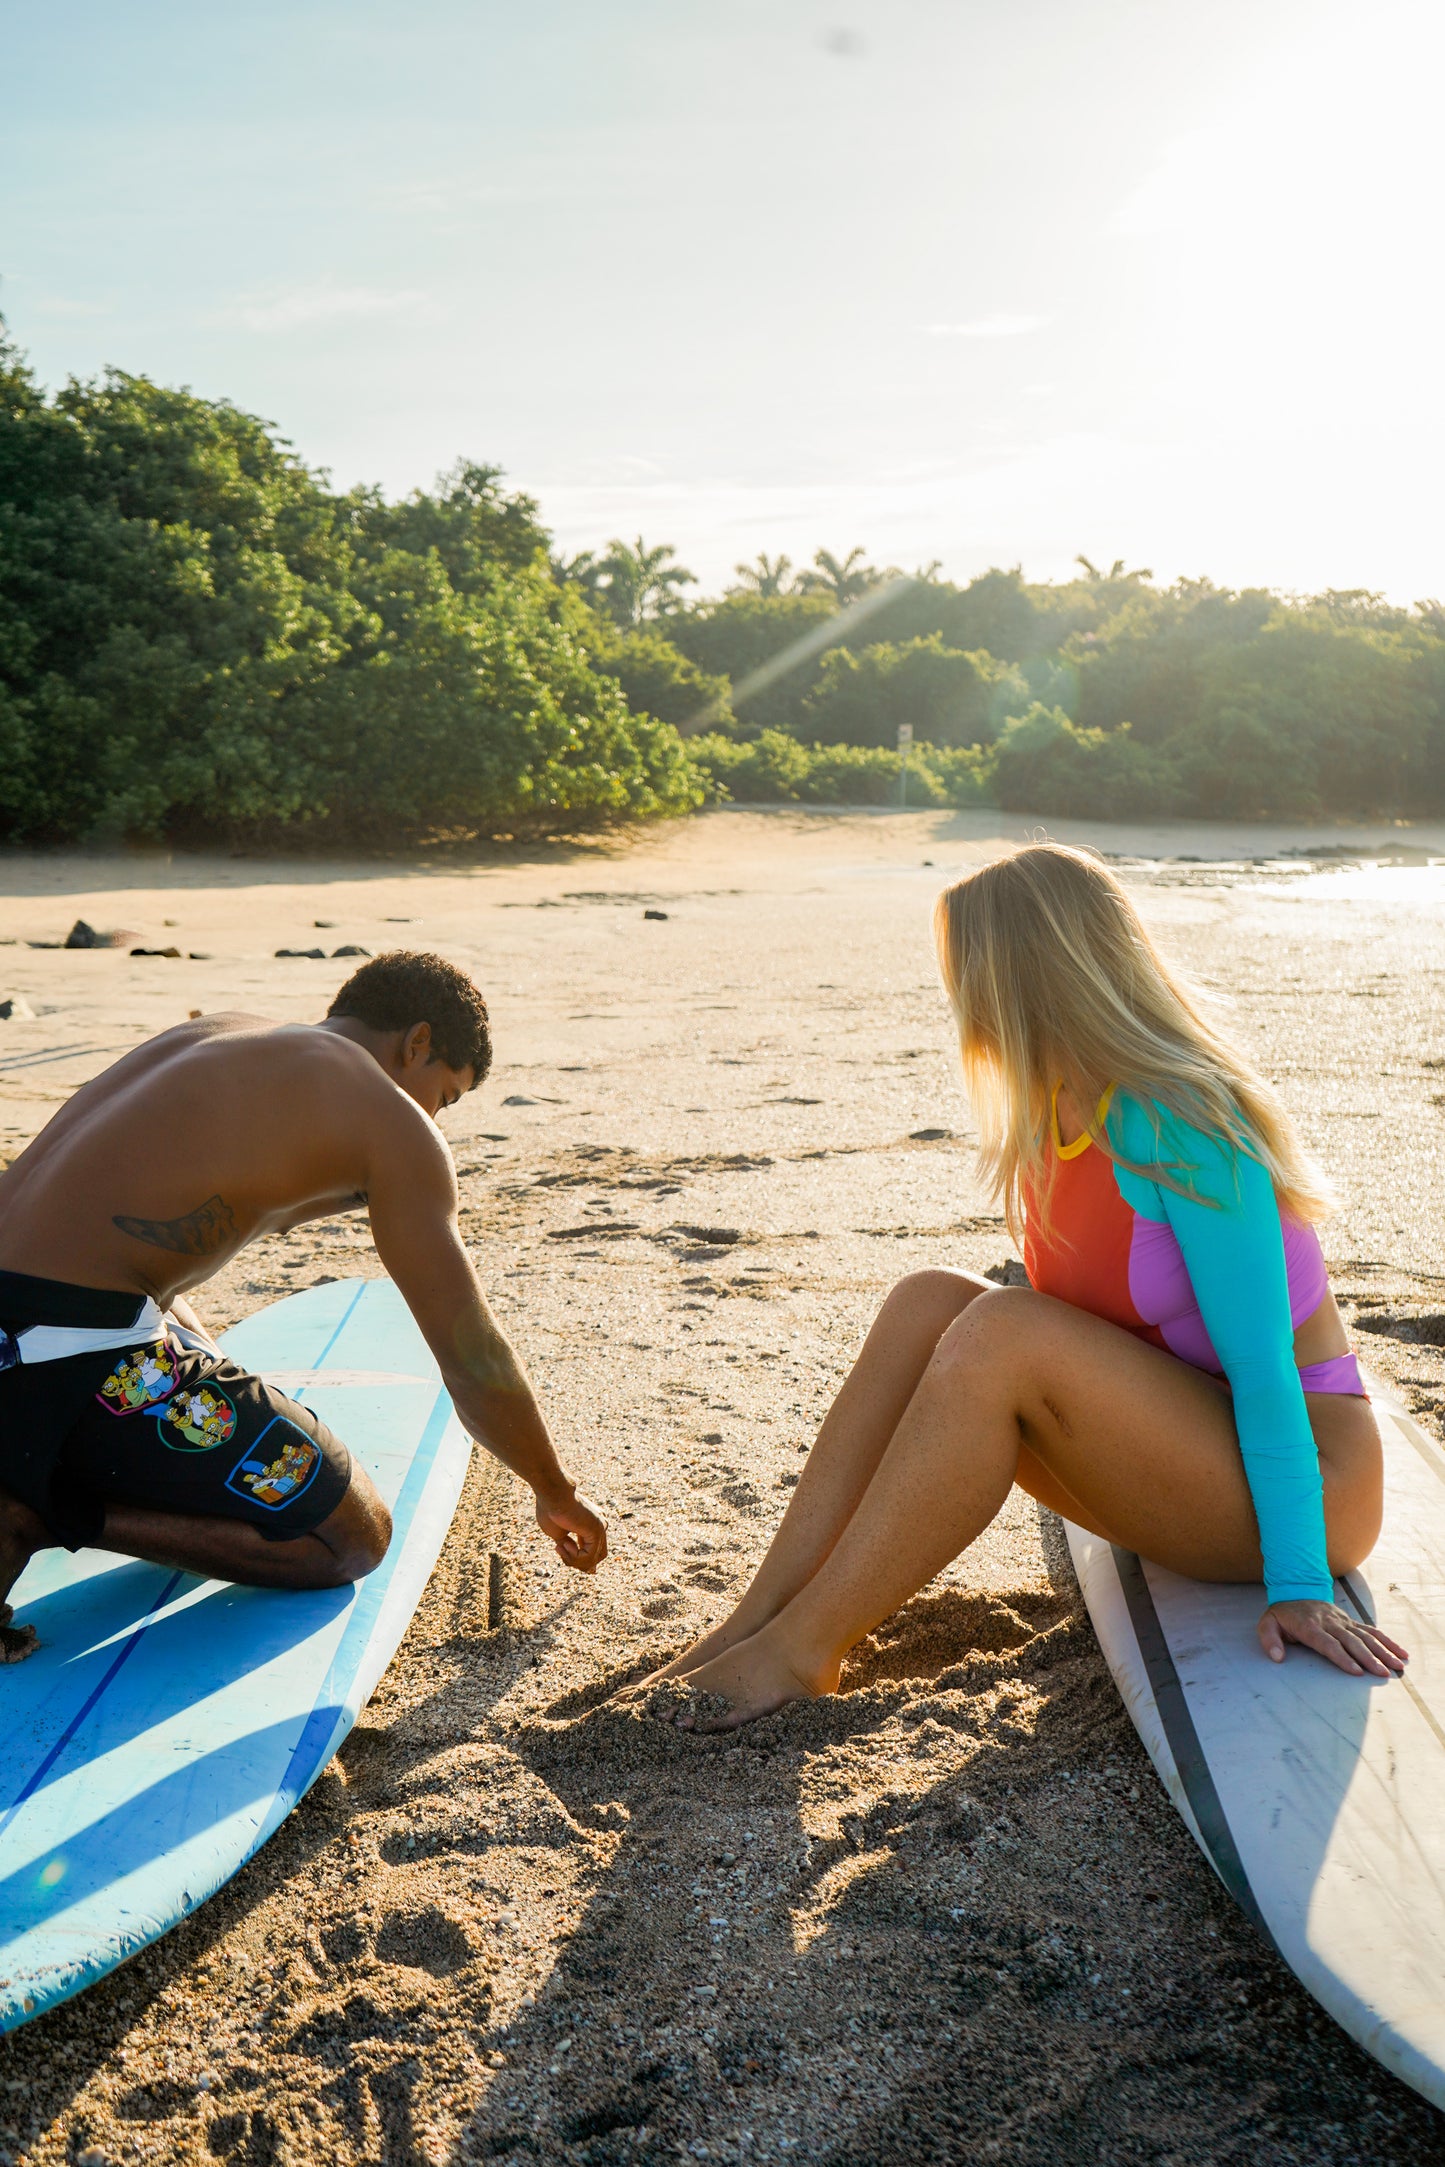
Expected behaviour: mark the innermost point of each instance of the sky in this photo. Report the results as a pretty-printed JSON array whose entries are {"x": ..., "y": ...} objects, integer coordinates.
[{"x": 976, "y": 281}]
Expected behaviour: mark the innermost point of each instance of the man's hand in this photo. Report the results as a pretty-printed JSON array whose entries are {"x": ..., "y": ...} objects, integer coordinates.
[
  {"x": 573, "y": 1527},
  {"x": 412, "y": 1194},
  {"x": 1349, "y": 1643}
]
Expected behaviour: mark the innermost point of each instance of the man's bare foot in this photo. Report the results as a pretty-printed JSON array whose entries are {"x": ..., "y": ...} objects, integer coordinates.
[
  {"x": 16, "y": 1641},
  {"x": 21, "y": 1535},
  {"x": 749, "y": 1680}
]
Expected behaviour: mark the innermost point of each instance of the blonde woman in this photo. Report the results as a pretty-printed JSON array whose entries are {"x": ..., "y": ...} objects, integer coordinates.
[{"x": 1176, "y": 1375}]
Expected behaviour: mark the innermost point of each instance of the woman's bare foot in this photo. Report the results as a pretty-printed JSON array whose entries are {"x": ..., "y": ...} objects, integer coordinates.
[
  {"x": 752, "y": 1679},
  {"x": 21, "y": 1535},
  {"x": 704, "y": 1650}
]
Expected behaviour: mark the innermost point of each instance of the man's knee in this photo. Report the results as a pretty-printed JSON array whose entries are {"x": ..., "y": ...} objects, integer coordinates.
[{"x": 357, "y": 1534}]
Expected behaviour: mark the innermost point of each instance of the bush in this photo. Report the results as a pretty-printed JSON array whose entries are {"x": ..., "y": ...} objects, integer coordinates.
[
  {"x": 945, "y": 696},
  {"x": 658, "y": 679},
  {"x": 199, "y": 641},
  {"x": 1046, "y": 764},
  {"x": 775, "y": 769},
  {"x": 482, "y": 720},
  {"x": 743, "y": 632}
]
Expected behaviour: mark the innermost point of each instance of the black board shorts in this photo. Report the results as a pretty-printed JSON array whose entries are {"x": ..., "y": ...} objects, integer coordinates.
[{"x": 160, "y": 1423}]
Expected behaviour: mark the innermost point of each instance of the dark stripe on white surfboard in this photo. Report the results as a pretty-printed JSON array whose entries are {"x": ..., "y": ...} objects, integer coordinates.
[
  {"x": 1204, "y": 1800},
  {"x": 1356, "y": 1603}
]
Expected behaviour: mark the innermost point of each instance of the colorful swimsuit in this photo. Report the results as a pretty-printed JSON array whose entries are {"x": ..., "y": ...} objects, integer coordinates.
[{"x": 1222, "y": 1282}]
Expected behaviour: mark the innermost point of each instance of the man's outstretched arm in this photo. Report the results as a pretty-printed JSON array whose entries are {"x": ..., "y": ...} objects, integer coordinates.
[{"x": 413, "y": 1205}]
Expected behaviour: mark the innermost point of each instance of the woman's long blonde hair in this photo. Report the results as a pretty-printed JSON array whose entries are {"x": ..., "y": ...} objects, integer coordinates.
[{"x": 1055, "y": 983}]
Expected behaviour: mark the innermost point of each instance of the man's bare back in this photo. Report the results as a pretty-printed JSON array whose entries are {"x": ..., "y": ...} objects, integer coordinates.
[
  {"x": 142, "y": 1187},
  {"x": 155, "y": 1174}
]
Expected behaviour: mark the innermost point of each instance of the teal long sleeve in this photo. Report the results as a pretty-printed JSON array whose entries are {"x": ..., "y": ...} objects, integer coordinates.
[{"x": 1233, "y": 1250}]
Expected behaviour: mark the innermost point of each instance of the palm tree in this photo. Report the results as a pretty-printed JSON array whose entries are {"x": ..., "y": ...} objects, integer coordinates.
[
  {"x": 1117, "y": 570},
  {"x": 636, "y": 582},
  {"x": 766, "y": 576},
  {"x": 843, "y": 580},
  {"x": 582, "y": 571}
]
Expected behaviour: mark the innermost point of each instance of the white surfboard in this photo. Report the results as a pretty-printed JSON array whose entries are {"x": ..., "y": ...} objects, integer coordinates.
[
  {"x": 168, "y": 1724},
  {"x": 1318, "y": 1799}
]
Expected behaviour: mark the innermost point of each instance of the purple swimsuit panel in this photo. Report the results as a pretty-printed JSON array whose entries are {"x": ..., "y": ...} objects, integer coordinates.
[{"x": 1162, "y": 1292}]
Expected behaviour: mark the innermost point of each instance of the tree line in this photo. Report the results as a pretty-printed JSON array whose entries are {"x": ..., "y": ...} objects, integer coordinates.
[{"x": 201, "y": 640}]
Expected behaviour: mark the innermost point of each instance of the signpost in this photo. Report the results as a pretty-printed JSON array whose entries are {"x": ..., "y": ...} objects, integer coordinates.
[{"x": 905, "y": 746}]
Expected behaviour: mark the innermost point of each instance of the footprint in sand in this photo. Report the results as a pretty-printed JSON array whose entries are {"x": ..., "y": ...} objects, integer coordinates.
[{"x": 423, "y": 1941}]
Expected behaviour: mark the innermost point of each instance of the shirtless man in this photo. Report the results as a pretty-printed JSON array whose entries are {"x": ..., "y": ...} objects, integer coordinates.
[{"x": 121, "y": 1423}]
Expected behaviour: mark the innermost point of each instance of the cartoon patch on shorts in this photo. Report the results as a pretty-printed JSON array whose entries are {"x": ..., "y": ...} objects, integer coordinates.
[
  {"x": 198, "y": 1420},
  {"x": 279, "y": 1466},
  {"x": 143, "y": 1378}
]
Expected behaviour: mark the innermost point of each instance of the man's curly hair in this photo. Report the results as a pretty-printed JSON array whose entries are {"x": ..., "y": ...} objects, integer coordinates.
[{"x": 406, "y": 987}]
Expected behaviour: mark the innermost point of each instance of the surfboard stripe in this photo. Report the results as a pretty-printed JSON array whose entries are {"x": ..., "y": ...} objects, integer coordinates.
[
  {"x": 1199, "y": 1787},
  {"x": 316, "y": 1743},
  {"x": 320, "y": 1362},
  {"x": 131, "y": 1642}
]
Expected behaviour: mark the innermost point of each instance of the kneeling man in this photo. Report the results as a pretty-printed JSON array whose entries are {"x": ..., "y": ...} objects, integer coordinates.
[{"x": 121, "y": 1422}]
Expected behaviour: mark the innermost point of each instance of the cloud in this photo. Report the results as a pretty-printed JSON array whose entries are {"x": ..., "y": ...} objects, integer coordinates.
[
  {"x": 63, "y": 308},
  {"x": 988, "y": 327},
  {"x": 296, "y": 308}
]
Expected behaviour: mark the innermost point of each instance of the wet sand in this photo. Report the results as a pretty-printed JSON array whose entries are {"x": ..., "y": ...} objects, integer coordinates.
[{"x": 946, "y": 1915}]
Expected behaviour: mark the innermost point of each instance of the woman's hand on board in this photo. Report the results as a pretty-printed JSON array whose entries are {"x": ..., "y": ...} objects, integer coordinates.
[{"x": 1351, "y": 1644}]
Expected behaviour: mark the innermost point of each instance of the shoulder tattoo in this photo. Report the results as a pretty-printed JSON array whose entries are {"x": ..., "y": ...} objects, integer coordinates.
[{"x": 200, "y": 1233}]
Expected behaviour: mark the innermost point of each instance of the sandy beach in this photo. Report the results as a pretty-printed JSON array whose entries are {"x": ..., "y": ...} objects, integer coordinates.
[{"x": 947, "y": 1915}]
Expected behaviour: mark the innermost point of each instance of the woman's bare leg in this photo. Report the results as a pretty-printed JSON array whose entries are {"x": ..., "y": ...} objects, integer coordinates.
[
  {"x": 1144, "y": 1443},
  {"x": 849, "y": 1446}
]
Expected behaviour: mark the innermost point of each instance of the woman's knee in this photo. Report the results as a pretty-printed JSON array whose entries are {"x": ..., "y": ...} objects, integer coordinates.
[
  {"x": 994, "y": 1333},
  {"x": 932, "y": 1299},
  {"x": 1354, "y": 1514},
  {"x": 1352, "y": 1465}
]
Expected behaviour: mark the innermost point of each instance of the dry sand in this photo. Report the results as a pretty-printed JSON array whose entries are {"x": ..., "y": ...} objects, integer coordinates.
[{"x": 947, "y": 1915}]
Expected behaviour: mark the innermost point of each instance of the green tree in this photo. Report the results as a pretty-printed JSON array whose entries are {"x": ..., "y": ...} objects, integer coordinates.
[
  {"x": 1144, "y": 662},
  {"x": 840, "y": 579},
  {"x": 765, "y": 576},
  {"x": 481, "y": 532},
  {"x": 460, "y": 720},
  {"x": 739, "y": 635},
  {"x": 1044, "y": 763},
  {"x": 175, "y": 581},
  {"x": 1118, "y": 571},
  {"x": 947, "y": 698},
  {"x": 636, "y": 583},
  {"x": 658, "y": 679},
  {"x": 198, "y": 640},
  {"x": 584, "y": 571}
]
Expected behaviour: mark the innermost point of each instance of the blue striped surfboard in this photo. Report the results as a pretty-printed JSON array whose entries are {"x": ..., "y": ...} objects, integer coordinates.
[{"x": 168, "y": 1724}]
